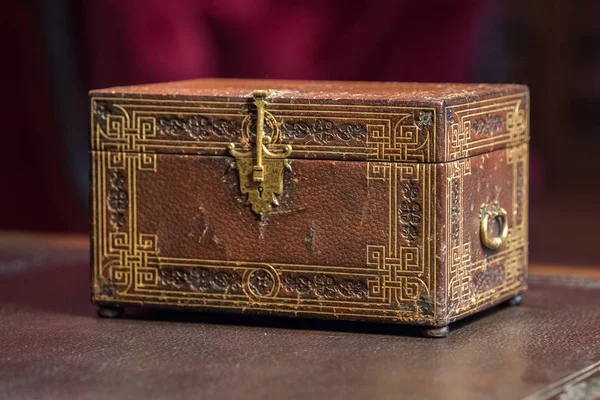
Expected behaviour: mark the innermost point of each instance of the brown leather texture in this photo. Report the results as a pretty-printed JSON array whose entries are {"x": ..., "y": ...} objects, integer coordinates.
[
  {"x": 52, "y": 345},
  {"x": 326, "y": 91},
  {"x": 394, "y": 238}
]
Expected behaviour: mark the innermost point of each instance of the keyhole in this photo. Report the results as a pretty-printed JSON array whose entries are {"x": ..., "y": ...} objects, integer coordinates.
[{"x": 260, "y": 190}]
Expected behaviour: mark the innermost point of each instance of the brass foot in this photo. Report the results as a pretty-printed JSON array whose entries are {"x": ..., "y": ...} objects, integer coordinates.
[
  {"x": 109, "y": 311},
  {"x": 515, "y": 301},
  {"x": 440, "y": 332}
]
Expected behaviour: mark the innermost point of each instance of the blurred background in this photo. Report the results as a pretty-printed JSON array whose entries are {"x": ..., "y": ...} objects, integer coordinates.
[{"x": 54, "y": 51}]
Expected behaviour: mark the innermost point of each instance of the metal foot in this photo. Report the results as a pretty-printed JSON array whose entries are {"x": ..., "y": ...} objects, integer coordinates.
[
  {"x": 110, "y": 311},
  {"x": 515, "y": 301},
  {"x": 440, "y": 332}
]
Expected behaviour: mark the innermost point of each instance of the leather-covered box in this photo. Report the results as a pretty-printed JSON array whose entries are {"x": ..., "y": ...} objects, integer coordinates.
[{"x": 389, "y": 202}]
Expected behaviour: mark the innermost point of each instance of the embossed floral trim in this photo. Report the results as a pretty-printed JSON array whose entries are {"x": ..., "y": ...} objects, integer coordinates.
[
  {"x": 261, "y": 283},
  {"x": 118, "y": 199},
  {"x": 321, "y": 131},
  {"x": 200, "y": 280},
  {"x": 449, "y": 116},
  {"x": 425, "y": 119},
  {"x": 198, "y": 127},
  {"x": 324, "y": 286},
  {"x": 410, "y": 212},
  {"x": 488, "y": 125}
]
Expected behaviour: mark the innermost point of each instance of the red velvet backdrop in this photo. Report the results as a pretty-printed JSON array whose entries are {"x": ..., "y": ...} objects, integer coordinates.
[{"x": 138, "y": 41}]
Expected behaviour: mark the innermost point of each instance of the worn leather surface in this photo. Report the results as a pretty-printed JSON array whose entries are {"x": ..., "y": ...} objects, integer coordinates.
[
  {"x": 352, "y": 240},
  {"x": 359, "y": 92},
  {"x": 53, "y": 346},
  {"x": 368, "y": 227},
  {"x": 195, "y": 207}
]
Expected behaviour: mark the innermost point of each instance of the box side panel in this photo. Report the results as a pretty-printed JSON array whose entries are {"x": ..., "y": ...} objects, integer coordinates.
[
  {"x": 483, "y": 187},
  {"x": 349, "y": 240}
]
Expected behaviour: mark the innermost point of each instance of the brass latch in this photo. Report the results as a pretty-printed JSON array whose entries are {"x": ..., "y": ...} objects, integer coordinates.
[{"x": 261, "y": 171}]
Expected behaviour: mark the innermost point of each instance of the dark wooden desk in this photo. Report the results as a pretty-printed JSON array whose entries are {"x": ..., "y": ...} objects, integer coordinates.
[{"x": 53, "y": 346}]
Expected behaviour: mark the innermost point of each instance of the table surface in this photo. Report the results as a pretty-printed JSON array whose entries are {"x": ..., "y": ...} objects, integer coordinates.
[{"x": 52, "y": 345}]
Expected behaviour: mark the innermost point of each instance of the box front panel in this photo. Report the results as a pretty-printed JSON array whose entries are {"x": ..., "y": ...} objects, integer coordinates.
[
  {"x": 490, "y": 186},
  {"x": 352, "y": 240}
]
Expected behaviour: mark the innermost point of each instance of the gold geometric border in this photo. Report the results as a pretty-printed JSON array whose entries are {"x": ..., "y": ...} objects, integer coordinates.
[
  {"x": 130, "y": 125},
  {"x": 400, "y": 277},
  {"x": 416, "y": 142}
]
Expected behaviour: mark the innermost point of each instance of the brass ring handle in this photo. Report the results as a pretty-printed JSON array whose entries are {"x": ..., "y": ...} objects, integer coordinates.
[{"x": 498, "y": 214}]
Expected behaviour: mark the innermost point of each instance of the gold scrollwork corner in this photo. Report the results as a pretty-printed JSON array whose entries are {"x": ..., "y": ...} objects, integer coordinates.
[{"x": 261, "y": 169}]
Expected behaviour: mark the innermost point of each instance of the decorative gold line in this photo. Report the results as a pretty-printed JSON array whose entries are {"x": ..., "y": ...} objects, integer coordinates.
[
  {"x": 366, "y": 151},
  {"x": 305, "y": 113},
  {"x": 496, "y": 106},
  {"x": 393, "y": 211},
  {"x": 94, "y": 205},
  {"x": 448, "y": 228},
  {"x": 293, "y": 268},
  {"x": 98, "y": 96},
  {"x": 212, "y": 264},
  {"x": 153, "y": 142},
  {"x": 436, "y": 132},
  {"x": 276, "y": 105},
  {"x": 198, "y": 112},
  {"x": 350, "y": 304},
  {"x": 488, "y": 142},
  {"x": 272, "y": 105},
  {"x": 473, "y": 114},
  {"x": 132, "y": 187},
  {"x": 492, "y": 100},
  {"x": 101, "y": 203},
  {"x": 92, "y": 132},
  {"x": 425, "y": 208},
  {"x": 350, "y": 114},
  {"x": 433, "y": 232},
  {"x": 264, "y": 307},
  {"x": 158, "y": 109},
  {"x": 390, "y": 208},
  {"x": 124, "y": 114}
]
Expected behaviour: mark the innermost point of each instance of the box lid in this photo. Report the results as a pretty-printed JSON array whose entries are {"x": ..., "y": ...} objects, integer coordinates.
[{"x": 379, "y": 121}]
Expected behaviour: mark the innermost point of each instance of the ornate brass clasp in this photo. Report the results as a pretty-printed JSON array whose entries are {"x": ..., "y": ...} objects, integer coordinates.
[{"x": 261, "y": 169}]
